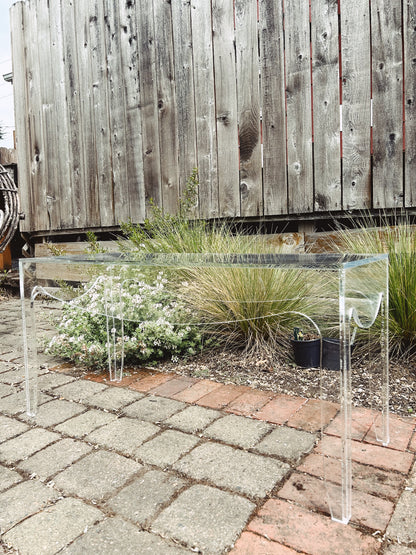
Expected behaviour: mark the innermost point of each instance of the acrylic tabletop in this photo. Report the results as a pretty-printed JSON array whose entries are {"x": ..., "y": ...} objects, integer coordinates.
[{"x": 327, "y": 261}]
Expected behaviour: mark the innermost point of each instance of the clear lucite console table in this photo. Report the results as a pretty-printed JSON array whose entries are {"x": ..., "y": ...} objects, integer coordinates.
[{"x": 353, "y": 295}]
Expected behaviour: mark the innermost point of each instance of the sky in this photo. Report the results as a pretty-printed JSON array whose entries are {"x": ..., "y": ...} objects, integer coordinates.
[{"x": 6, "y": 89}]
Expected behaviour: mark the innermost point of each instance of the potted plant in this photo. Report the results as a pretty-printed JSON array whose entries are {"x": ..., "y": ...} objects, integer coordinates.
[
  {"x": 306, "y": 349},
  {"x": 330, "y": 353}
]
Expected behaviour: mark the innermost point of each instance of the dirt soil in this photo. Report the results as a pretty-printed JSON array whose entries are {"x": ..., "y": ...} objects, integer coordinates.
[{"x": 279, "y": 376}]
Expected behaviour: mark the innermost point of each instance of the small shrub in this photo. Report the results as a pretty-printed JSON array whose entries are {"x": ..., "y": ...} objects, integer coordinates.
[
  {"x": 155, "y": 325},
  {"x": 94, "y": 246}
]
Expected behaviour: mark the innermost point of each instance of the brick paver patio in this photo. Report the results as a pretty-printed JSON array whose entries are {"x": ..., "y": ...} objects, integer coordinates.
[{"x": 164, "y": 464}]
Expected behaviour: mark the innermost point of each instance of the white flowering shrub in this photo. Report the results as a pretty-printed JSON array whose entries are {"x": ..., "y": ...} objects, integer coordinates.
[{"x": 142, "y": 322}]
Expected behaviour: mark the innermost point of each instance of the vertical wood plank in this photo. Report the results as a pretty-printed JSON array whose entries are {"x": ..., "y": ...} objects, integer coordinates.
[
  {"x": 37, "y": 151},
  {"x": 387, "y": 72},
  {"x": 134, "y": 208},
  {"x": 47, "y": 174},
  {"x": 248, "y": 94},
  {"x": 165, "y": 78},
  {"x": 117, "y": 104},
  {"x": 19, "y": 20},
  {"x": 204, "y": 84},
  {"x": 185, "y": 94},
  {"x": 355, "y": 56},
  {"x": 273, "y": 107},
  {"x": 326, "y": 100},
  {"x": 299, "y": 109},
  {"x": 409, "y": 30},
  {"x": 148, "y": 102},
  {"x": 226, "y": 107},
  {"x": 60, "y": 174},
  {"x": 89, "y": 191},
  {"x": 73, "y": 108},
  {"x": 100, "y": 107}
]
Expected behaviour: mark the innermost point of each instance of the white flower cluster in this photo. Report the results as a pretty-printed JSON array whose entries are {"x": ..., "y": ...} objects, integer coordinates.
[{"x": 141, "y": 320}]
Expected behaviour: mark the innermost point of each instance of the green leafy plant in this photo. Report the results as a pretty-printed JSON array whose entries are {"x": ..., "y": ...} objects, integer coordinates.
[
  {"x": 177, "y": 233},
  {"x": 245, "y": 308},
  {"x": 298, "y": 334},
  {"x": 189, "y": 198},
  {"x": 55, "y": 250},
  {"x": 94, "y": 246},
  {"x": 143, "y": 321}
]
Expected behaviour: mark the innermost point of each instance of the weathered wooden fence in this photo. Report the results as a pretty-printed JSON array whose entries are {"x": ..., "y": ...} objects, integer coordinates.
[{"x": 284, "y": 107}]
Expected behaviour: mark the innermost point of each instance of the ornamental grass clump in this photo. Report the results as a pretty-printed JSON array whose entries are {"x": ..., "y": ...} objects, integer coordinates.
[
  {"x": 398, "y": 240},
  {"x": 144, "y": 322},
  {"x": 252, "y": 309}
]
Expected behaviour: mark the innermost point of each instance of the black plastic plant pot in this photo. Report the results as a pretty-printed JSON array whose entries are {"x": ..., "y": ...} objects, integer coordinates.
[
  {"x": 330, "y": 353},
  {"x": 307, "y": 353}
]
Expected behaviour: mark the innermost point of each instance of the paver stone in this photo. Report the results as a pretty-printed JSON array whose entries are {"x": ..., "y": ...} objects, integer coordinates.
[
  {"x": 53, "y": 528},
  {"x": 54, "y": 458},
  {"x": 154, "y": 409},
  {"x": 8, "y": 478},
  {"x": 309, "y": 532},
  {"x": 54, "y": 412},
  {"x": 113, "y": 398},
  {"x": 85, "y": 423},
  {"x": 311, "y": 492},
  {"x": 26, "y": 444},
  {"x": 237, "y": 430},
  {"x": 224, "y": 466},
  {"x": 115, "y": 536},
  {"x": 402, "y": 525},
  {"x": 22, "y": 500},
  {"x": 199, "y": 511},
  {"x": 80, "y": 390},
  {"x": 166, "y": 448},
  {"x": 97, "y": 475},
  {"x": 140, "y": 500},
  {"x": 50, "y": 380},
  {"x": 124, "y": 434},
  {"x": 288, "y": 443},
  {"x": 10, "y": 428},
  {"x": 193, "y": 419}
]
